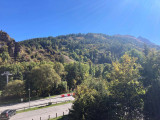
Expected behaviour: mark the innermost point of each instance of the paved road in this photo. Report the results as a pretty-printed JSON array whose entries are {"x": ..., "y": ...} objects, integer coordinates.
[
  {"x": 35, "y": 102},
  {"x": 43, "y": 113}
]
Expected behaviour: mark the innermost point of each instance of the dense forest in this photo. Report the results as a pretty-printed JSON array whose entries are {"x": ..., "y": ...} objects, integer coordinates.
[{"x": 114, "y": 77}]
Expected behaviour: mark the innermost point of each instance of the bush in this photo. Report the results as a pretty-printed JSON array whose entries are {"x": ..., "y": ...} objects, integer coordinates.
[
  {"x": 62, "y": 88},
  {"x": 14, "y": 88}
]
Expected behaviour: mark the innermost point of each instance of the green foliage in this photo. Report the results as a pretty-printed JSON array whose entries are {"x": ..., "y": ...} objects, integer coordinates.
[
  {"x": 125, "y": 89},
  {"x": 150, "y": 78},
  {"x": 107, "y": 71},
  {"x": 62, "y": 88},
  {"x": 128, "y": 100},
  {"x": 44, "y": 79},
  {"x": 14, "y": 88},
  {"x": 152, "y": 103},
  {"x": 151, "y": 68},
  {"x": 98, "y": 71},
  {"x": 89, "y": 104},
  {"x": 146, "y": 50},
  {"x": 137, "y": 54},
  {"x": 125, "y": 71},
  {"x": 5, "y": 56},
  {"x": 98, "y": 84},
  {"x": 121, "y": 99},
  {"x": 59, "y": 68},
  {"x": 76, "y": 73}
]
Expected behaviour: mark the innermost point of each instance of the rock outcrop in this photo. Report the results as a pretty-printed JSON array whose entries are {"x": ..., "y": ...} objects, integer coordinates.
[
  {"x": 7, "y": 41},
  {"x": 4, "y": 37}
]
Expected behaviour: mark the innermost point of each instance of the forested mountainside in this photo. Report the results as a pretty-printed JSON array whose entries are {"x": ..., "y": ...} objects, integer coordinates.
[{"x": 97, "y": 48}]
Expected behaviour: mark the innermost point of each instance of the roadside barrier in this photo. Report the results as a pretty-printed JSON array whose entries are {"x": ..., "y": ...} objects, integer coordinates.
[
  {"x": 42, "y": 105},
  {"x": 67, "y": 95},
  {"x": 62, "y": 95}
]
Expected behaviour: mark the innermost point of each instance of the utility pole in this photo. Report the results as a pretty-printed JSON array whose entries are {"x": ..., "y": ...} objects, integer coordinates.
[{"x": 7, "y": 74}]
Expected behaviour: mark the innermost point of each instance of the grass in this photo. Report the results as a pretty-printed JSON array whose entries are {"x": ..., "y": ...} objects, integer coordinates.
[
  {"x": 5, "y": 102},
  {"x": 15, "y": 100},
  {"x": 36, "y": 108},
  {"x": 50, "y": 97},
  {"x": 60, "y": 118}
]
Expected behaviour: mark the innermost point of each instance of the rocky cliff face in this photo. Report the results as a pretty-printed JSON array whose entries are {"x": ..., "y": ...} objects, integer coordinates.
[
  {"x": 4, "y": 37},
  {"x": 7, "y": 42}
]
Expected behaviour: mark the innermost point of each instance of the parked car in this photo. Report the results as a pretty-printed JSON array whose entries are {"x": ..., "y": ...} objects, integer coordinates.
[{"x": 5, "y": 115}]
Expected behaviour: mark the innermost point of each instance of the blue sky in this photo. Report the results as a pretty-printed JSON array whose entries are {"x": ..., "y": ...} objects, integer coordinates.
[{"x": 24, "y": 19}]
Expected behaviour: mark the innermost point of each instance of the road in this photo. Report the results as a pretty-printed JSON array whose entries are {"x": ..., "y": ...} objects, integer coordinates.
[
  {"x": 43, "y": 113},
  {"x": 35, "y": 102}
]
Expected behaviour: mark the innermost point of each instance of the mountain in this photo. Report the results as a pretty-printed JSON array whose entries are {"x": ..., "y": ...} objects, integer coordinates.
[
  {"x": 9, "y": 45},
  {"x": 96, "y": 48},
  {"x": 140, "y": 40},
  {"x": 146, "y": 41}
]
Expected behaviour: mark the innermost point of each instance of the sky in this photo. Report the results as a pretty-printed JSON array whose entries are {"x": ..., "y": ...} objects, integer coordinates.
[{"x": 25, "y": 19}]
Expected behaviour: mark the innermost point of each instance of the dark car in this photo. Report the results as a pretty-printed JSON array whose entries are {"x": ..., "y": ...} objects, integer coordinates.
[{"x": 5, "y": 115}]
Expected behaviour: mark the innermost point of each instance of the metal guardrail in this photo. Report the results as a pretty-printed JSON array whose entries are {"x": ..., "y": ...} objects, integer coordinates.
[{"x": 41, "y": 105}]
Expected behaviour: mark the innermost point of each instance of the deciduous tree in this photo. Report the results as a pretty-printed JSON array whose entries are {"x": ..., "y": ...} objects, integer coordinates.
[{"x": 45, "y": 78}]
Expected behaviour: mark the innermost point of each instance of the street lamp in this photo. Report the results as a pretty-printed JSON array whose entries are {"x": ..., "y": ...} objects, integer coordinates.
[
  {"x": 49, "y": 97},
  {"x": 29, "y": 97}
]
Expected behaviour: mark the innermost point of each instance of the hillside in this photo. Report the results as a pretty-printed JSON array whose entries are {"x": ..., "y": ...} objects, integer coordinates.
[
  {"x": 98, "y": 48},
  {"x": 9, "y": 49}
]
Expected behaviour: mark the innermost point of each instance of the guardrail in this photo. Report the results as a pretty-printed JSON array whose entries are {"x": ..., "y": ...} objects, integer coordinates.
[{"x": 42, "y": 105}]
